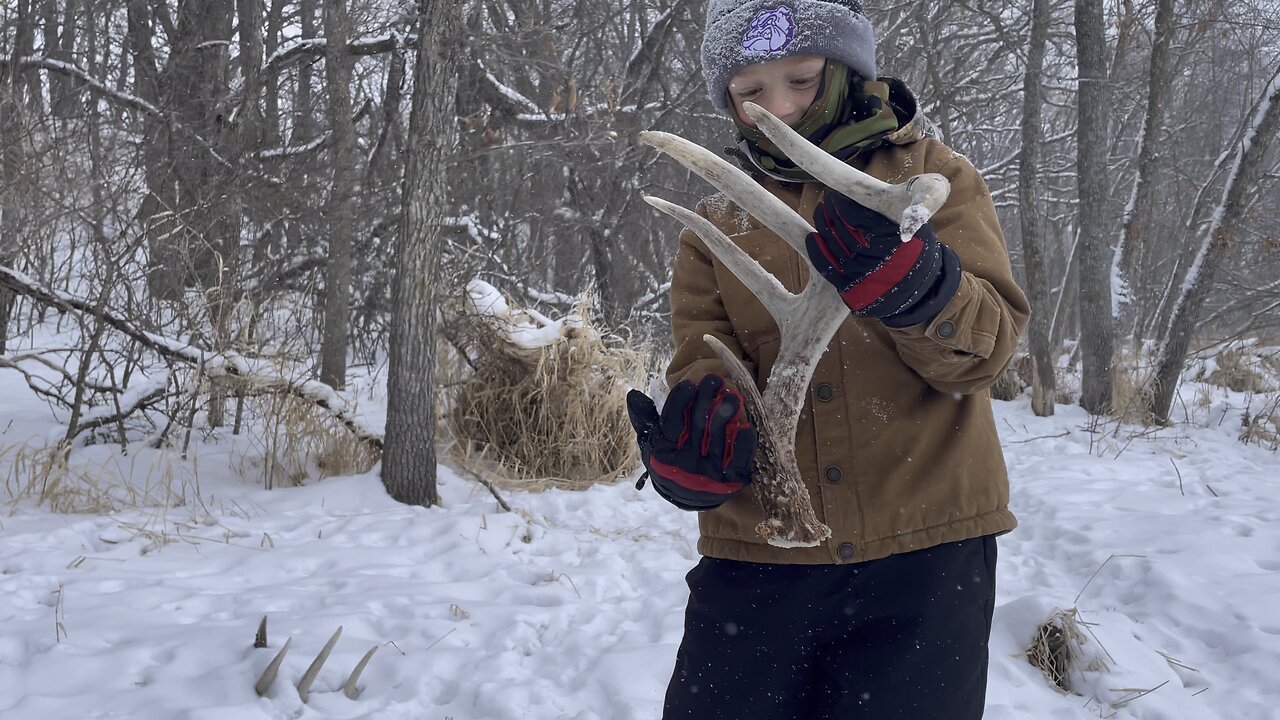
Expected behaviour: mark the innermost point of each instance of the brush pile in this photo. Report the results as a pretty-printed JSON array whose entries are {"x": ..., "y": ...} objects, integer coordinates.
[{"x": 544, "y": 404}]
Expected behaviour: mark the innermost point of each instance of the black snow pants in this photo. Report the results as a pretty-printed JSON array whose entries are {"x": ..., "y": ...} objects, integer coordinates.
[{"x": 902, "y": 638}]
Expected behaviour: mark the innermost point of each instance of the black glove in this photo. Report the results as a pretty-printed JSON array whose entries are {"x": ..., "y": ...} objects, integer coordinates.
[
  {"x": 861, "y": 252},
  {"x": 699, "y": 451}
]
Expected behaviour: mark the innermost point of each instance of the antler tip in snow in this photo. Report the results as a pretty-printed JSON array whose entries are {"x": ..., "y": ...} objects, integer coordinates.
[
  {"x": 260, "y": 638},
  {"x": 350, "y": 689},
  {"x": 273, "y": 668},
  {"x": 309, "y": 677}
]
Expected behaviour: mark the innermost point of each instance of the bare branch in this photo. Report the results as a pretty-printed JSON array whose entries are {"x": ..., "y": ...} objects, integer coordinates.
[{"x": 221, "y": 365}]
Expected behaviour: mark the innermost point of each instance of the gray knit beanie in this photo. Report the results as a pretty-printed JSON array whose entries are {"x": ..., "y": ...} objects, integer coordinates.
[{"x": 743, "y": 32}]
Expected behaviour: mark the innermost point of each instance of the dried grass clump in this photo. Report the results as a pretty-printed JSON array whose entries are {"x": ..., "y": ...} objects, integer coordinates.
[
  {"x": 44, "y": 474},
  {"x": 1054, "y": 651},
  {"x": 1008, "y": 385},
  {"x": 545, "y": 404},
  {"x": 1243, "y": 367},
  {"x": 297, "y": 441},
  {"x": 1131, "y": 387},
  {"x": 1262, "y": 427}
]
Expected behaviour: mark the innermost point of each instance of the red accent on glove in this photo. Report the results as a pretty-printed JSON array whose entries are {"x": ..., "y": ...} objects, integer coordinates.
[{"x": 694, "y": 482}]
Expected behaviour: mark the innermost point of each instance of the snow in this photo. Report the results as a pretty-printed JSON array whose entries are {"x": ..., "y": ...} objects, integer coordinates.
[
  {"x": 510, "y": 93},
  {"x": 1167, "y": 542},
  {"x": 913, "y": 218},
  {"x": 292, "y": 150},
  {"x": 526, "y": 328},
  {"x": 481, "y": 235}
]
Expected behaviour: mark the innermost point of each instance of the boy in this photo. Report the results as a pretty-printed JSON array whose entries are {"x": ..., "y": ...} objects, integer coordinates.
[{"x": 897, "y": 444}]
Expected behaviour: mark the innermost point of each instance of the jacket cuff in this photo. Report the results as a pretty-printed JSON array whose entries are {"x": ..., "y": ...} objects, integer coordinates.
[
  {"x": 935, "y": 299},
  {"x": 968, "y": 324}
]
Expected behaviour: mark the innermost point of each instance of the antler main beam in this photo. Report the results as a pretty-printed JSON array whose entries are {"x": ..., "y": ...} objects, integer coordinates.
[{"x": 807, "y": 321}]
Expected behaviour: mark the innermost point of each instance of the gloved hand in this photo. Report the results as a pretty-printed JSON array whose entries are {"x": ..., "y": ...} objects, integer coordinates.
[
  {"x": 861, "y": 252},
  {"x": 699, "y": 450}
]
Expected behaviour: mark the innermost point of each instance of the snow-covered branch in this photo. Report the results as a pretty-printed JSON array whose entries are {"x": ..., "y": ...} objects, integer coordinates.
[
  {"x": 314, "y": 48},
  {"x": 257, "y": 373},
  {"x": 293, "y": 150},
  {"x": 478, "y": 233},
  {"x": 511, "y": 94},
  {"x": 94, "y": 84}
]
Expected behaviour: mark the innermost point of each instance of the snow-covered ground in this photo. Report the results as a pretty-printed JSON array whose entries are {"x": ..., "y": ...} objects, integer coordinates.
[{"x": 571, "y": 607}]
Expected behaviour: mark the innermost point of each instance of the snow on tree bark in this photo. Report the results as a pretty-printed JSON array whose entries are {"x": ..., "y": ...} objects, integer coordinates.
[{"x": 1226, "y": 224}]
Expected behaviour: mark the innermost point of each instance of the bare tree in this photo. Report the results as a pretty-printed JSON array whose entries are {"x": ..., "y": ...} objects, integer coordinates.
[
  {"x": 409, "y": 459},
  {"x": 337, "y": 286},
  {"x": 1044, "y": 383},
  {"x": 1139, "y": 219},
  {"x": 10, "y": 159},
  {"x": 1096, "y": 333},
  {"x": 1229, "y": 219}
]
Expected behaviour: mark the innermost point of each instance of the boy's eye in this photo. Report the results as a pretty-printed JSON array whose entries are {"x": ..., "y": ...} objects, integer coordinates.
[
  {"x": 805, "y": 82},
  {"x": 747, "y": 94}
]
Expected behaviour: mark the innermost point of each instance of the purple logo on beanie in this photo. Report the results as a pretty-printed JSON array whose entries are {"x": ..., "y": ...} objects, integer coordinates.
[{"x": 771, "y": 31}]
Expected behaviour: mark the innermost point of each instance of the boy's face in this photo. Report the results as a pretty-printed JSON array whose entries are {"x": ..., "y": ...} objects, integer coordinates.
[{"x": 785, "y": 87}]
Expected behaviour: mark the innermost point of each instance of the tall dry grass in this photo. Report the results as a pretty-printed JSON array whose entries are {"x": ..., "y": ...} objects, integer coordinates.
[{"x": 290, "y": 441}]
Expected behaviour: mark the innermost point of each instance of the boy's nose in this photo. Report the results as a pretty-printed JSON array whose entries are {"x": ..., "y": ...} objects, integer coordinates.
[{"x": 785, "y": 109}]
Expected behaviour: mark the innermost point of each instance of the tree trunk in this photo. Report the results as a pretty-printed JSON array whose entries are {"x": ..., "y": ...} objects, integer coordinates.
[
  {"x": 1226, "y": 226},
  {"x": 66, "y": 104},
  {"x": 1044, "y": 384},
  {"x": 271, "y": 91},
  {"x": 24, "y": 46},
  {"x": 251, "y": 116},
  {"x": 337, "y": 211},
  {"x": 1134, "y": 252},
  {"x": 304, "y": 123},
  {"x": 10, "y": 163},
  {"x": 49, "y": 48},
  {"x": 409, "y": 459},
  {"x": 6, "y": 314},
  {"x": 1096, "y": 331}
]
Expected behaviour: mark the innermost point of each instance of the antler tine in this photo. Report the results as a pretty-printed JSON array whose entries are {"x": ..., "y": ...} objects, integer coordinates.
[
  {"x": 776, "y": 299},
  {"x": 350, "y": 689},
  {"x": 309, "y": 677},
  {"x": 735, "y": 184},
  {"x": 273, "y": 668},
  {"x": 909, "y": 203}
]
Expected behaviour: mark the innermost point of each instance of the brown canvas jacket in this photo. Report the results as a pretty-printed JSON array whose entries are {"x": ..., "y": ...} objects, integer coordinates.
[{"x": 897, "y": 444}]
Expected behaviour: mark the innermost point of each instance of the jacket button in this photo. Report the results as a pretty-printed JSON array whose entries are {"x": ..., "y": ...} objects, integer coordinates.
[
  {"x": 845, "y": 551},
  {"x": 833, "y": 474},
  {"x": 946, "y": 329},
  {"x": 826, "y": 392}
]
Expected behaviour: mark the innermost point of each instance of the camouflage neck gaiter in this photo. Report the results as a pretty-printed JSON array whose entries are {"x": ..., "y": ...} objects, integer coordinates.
[{"x": 848, "y": 114}]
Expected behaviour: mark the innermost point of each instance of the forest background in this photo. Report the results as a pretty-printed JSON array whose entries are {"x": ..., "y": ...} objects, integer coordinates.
[{"x": 210, "y": 199}]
